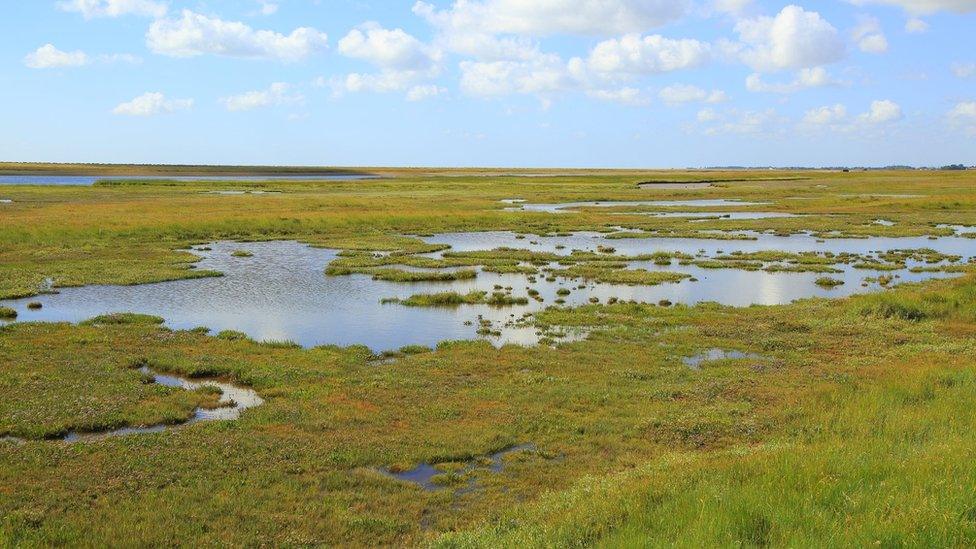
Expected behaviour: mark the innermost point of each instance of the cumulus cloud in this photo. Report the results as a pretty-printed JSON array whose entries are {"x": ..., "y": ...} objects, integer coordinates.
[
  {"x": 869, "y": 36},
  {"x": 420, "y": 93},
  {"x": 548, "y": 17},
  {"x": 388, "y": 49},
  {"x": 152, "y": 103},
  {"x": 90, "y": 9},
  {"x": 624, "y": 96},
  {"x": 882, "y": 112},
  {"x": 734, "y": 121},
  {"x": 707, "y": 115},
  {"x": 963, "y": 116},
  {"x": 826, "y": 116},
  {"x": 734, "y": 7},
  {"x": 50, "y": 57},
  {"x": 268, "y": 8},
  {"x": 546, "y": 74},
  {"x": 634, "y": 54},
  {"x": 924, "y": 6},
  {"x": 915, "y": 25},
  {"x": 682, "y": 93},
  {"x": 193, "y": 34},
  {"x": 793, "y": 39},
  {"x": 816, "y": 77},
  {"x": 276, "y": 94},
  {"x": 404, "y": 62}
]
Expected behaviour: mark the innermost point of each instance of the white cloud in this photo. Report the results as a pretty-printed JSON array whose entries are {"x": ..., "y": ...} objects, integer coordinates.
[
  {"x": 924, "y": 6},
  {"x": 707, "y": 115},
  {"x": 276, "y": 94},
  {"x": 624, "y": 96},
  {"x": 50, "y": 57},
  {"x": 765, "y": 122},
  {"x": 964, "y": 70},
  {"x": 882, "y": 112},
  {"x": 633, "y": 54},
  {"x": 825, "y": 116},
  {"x": 388, "y": 49},
  {"x": 545, "y": 75},
  {"x": 869, "y": 36},
  {"x": 548, "y": 17},
  {"x": 404, "y": 62},
  {"x": 194, "y": 34},
  {"x": 268, "y": 8},
  {"x": 915, "y": 25},
  {"x": 420, "y": 93},
  {"x": 126, "y": 58},
  {"x": 681, "y": 93},
  {"x": 815, "y": 77},
  {"x": 734, "y": 7},
  {"x": 90, "y": 9},
  {"x": 152, "y": 103},
  {"x": 963, "y": 116},
  {"x": 794, "y": 39}
]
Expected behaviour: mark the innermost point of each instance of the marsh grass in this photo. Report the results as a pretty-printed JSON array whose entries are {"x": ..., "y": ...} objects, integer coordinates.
[{"x": 858, "y": 432}]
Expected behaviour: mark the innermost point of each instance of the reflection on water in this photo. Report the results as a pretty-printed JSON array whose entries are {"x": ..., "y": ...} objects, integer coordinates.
[{"x": 281, "y": 293}]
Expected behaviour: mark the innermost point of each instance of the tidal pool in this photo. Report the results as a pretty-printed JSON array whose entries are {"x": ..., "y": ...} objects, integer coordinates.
[
  {"x": 571, "y": 207},
  {"x": 282, "y": 293}
]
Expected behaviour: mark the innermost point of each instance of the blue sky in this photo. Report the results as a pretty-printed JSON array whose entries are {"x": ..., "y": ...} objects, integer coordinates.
[{"x": 603, "y": 83}]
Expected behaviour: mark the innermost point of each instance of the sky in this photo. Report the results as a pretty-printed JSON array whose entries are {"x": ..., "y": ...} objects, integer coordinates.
[{"x": 492, "y": 83}]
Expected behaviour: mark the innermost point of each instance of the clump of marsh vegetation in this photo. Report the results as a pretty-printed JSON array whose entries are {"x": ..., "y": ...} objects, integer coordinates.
[
  {"x": 232, "y": 335},
  {"x": 123, "y": 319},
  {"x": 828, "y": 282},
  {"x": 454, "y": 299},
  {"x": 396, "y": 275},
  {"x": 6, "y": 313},
  {"x": 35, "y": 305},
  {"x": 241, "y": 253}
]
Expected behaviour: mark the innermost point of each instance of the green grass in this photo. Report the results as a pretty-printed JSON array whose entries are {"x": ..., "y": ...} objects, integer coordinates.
[
  {"x": 7, "y": 313},
  {"x": 396, "y": 275}
]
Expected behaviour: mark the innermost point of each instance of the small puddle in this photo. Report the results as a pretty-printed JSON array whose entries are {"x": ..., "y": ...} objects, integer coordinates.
[
  {"x": 6, "y": 201},
  {"x": 712, "y": 355},
  {"x": 884, "y": 222},
  {"x": 426, "y": 475}
]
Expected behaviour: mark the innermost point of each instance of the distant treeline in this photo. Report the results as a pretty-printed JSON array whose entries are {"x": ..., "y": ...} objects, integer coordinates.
[{"x": 841, "y": 168}]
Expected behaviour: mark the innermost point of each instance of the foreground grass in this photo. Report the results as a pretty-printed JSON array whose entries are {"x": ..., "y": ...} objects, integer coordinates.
[{"x": 855, "y": 410}]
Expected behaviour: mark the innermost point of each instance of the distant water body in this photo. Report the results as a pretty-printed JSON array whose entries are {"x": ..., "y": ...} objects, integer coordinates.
[{"x": 89, "y": 180}]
